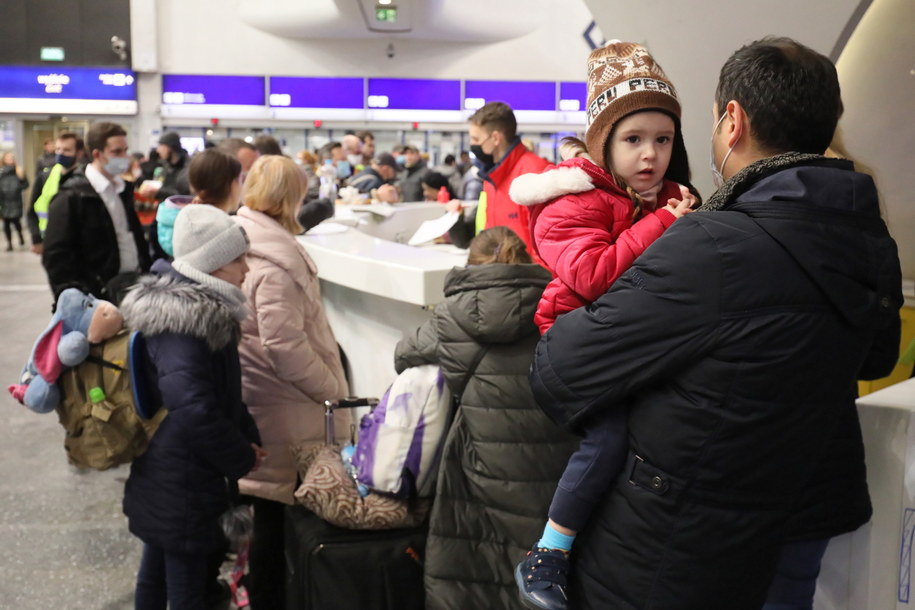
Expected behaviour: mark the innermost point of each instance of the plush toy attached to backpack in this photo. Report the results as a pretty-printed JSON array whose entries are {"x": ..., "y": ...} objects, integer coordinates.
[
  {"x": 81, "y": 367},
  {"x": 79, "y": 321}
]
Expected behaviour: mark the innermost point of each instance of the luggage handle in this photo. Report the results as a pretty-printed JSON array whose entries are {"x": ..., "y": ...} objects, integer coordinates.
[{"x": 344, "y": 403}]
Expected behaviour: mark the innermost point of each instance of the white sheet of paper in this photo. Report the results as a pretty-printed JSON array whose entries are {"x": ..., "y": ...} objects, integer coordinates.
[{"x": 431, "y": 229}]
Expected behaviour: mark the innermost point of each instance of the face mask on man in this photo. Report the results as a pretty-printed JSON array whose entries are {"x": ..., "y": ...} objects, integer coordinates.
[
  {"x": 487, "y": 159},
  {"x": 354, "y": 160},
  {"x": 117, "y": 165},
  {"x": 717, "y": 176},
  {"x": 65, "y": 160}
]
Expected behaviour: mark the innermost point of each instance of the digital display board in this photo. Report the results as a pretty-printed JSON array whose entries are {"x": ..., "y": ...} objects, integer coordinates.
[
  {"x": 414, "y": 94},
  {"x": 520, "y": 95},
  {"x": 301, "y": 92},
  {"x": 573, "y": 96},
  {"x": 187, "y": 89},
  {"x": 67, "y": 90}
]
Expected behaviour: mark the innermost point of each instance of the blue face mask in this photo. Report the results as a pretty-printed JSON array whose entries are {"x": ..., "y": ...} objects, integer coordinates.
[
  {"x": 117, "y": 165},
  {"x": 401, "y": 160},
  {"x": 65, "y": 160},
  {"x": 344, "y": 169}
]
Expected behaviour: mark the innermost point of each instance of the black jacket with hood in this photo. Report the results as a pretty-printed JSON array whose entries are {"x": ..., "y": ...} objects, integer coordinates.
[
  {"x": 502, "y": 457},
  {"x": 188, "y": 476},
  {"x": 80, "y": 243},
  {"x": 736, "y": 339}
]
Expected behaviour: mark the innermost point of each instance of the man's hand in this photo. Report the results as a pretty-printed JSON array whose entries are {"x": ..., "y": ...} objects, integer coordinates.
[
  {"x": 38, "y": 249},
  {"x": 679, "y": 207},
  {"x": 387, "y": 193},
  {"x": 454, "y": 205}
]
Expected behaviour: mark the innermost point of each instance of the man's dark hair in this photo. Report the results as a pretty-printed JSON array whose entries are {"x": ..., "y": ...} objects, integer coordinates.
[
  {"x": 364, "y": 135},
  {"x": 69, "y": 135},
  {"x": 496, "y": 116},
  {"x": 327, "y": 151},
  {"x": 267, "y": 145},
  {"x": 98, "y": 135},
  {"x": 233, "y": 145},
  {"x": 790, "y": 94}
]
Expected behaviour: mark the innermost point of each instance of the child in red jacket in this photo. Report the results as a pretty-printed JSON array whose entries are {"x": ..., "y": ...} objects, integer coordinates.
[{"x": 591, "y": 217}]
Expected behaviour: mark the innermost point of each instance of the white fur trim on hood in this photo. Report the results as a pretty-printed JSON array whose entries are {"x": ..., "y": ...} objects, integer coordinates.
[{"x": 531, "y": 189}]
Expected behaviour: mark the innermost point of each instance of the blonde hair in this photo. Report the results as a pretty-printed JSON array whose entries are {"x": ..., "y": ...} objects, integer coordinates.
[
  {"x": 498, "y": 245},
  {"x": 275, "y": 186}
]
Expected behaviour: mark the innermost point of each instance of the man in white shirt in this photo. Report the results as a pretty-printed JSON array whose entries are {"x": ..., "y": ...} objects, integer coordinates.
[{"x": 94, "y": 240}]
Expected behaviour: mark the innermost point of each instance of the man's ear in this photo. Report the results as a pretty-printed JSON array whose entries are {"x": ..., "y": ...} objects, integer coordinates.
[{"x": 738, "y": 125}]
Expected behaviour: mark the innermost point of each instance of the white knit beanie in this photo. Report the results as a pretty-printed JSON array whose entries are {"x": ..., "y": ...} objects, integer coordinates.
[{"x": 206, "y": 239}]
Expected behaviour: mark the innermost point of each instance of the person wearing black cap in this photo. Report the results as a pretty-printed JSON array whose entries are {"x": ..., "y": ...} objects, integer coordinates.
[
  {"x": 382, "y": 171},
  {"x": 171, "y": 172}
]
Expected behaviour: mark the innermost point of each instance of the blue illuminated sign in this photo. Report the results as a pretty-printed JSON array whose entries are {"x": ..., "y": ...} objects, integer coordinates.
[
  {"x": 59, "y": 82},
  {"x": 186, "y": 89},
  {"x": 301, "y": 92},
  {"x": 573, "y": 96},
  {"x": 520, "y": 95},
  {"x": 414, "y": 94}
]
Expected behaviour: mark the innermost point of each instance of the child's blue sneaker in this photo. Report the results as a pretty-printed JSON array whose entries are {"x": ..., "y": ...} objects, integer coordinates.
[{"x": 542, "y": 578}]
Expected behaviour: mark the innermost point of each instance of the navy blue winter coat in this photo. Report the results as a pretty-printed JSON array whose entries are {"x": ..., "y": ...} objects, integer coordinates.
[
  {"x": 736, "y": 340},
  {"x": 189, "y": 474}
]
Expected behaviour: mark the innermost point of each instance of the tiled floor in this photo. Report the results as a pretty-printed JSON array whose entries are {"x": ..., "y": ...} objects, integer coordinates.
[{"x": 63, "y": 538}]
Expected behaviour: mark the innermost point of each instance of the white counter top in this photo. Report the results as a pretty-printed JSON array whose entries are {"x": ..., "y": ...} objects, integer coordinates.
[{"x": 368, "y": 259}]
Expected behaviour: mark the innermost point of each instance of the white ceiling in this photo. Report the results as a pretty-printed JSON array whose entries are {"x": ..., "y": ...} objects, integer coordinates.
[{"x": 452, "y": 21}]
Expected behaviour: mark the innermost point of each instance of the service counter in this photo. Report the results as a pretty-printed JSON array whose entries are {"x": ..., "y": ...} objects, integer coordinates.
[{"x": 375, "y": 287}]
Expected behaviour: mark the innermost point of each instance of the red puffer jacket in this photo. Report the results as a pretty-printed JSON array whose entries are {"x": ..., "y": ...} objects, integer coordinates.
[{"x": 582, "y": 228}]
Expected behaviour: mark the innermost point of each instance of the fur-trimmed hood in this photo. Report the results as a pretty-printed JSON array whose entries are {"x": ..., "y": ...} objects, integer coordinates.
[
  {"x": 575, "y": 175},
  {"x": 169, "y": 304}
]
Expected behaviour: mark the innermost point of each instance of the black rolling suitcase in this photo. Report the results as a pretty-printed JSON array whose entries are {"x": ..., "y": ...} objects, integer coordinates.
[{"x": 332, "y": 568}]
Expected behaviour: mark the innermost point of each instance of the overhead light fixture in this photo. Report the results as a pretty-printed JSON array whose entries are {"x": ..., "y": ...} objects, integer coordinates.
[{"x": 385, "y": 2}]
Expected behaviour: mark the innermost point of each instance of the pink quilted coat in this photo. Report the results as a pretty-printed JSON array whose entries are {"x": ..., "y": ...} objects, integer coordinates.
[{"x": 290, "y": 363}]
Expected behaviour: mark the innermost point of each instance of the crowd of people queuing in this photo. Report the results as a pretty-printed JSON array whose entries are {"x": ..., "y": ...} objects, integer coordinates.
[{"x": 640, "y": 369}]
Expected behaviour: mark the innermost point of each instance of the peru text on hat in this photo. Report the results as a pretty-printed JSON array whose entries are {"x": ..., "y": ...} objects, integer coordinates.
[{"x": 625, "y": 88}]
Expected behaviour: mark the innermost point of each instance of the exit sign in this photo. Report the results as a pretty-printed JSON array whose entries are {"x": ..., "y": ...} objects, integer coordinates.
[
  {"x": 52, "y": 53},
  {"x": 386, "y": 15}
]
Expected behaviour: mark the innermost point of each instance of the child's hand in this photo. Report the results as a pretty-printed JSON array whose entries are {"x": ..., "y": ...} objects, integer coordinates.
[
  {"x": 259, "y": 455},
  {"x": 679, "y": 207},
  {"x": 454, "y": 205}
]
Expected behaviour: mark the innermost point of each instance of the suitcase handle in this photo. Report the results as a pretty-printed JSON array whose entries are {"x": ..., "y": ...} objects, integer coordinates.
[{"x": 344, "y": 403}]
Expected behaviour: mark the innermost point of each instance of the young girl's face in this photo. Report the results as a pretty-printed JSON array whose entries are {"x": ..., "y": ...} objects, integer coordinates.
[{"x": 640, "y": 148}]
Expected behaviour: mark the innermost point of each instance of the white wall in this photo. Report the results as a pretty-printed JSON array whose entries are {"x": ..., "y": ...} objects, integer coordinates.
[{"x": 210, "y": 37}]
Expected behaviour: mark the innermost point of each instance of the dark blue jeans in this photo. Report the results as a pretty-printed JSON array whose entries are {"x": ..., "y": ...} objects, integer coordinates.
[
  {"x": 591, "y": 469},
  {"x": 796, "y": 574},
  {"x": 183, "y": 580}
]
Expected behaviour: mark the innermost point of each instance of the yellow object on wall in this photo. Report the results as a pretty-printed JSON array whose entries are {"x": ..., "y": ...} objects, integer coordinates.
[{"x": 902, "y": 371}]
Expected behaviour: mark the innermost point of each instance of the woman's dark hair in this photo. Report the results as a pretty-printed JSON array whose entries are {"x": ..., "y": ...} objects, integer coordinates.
[
  {"x": 436, "y": 181},
  {"x": 790, "y": 93},
  {"x": 211, "y": 174},
  {"x": 498, "y": 245}
]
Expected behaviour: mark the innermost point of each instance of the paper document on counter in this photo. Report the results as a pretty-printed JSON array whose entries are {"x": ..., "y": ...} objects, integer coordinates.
[{"x": 431, "y": 229}]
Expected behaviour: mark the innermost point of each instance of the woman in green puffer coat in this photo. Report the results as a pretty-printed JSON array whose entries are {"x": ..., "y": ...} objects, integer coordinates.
[{"x": 502, "y": 456}]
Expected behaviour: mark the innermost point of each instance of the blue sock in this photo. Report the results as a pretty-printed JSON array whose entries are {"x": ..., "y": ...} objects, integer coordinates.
[{"x": 554, "y": 540}]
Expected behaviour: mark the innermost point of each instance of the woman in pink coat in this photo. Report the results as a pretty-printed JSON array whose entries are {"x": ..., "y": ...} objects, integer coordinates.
[{"x": 289, "y": 358}]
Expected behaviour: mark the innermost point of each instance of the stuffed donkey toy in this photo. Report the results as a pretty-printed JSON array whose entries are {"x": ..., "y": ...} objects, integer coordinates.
[{"x": 80, "y": 320}]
